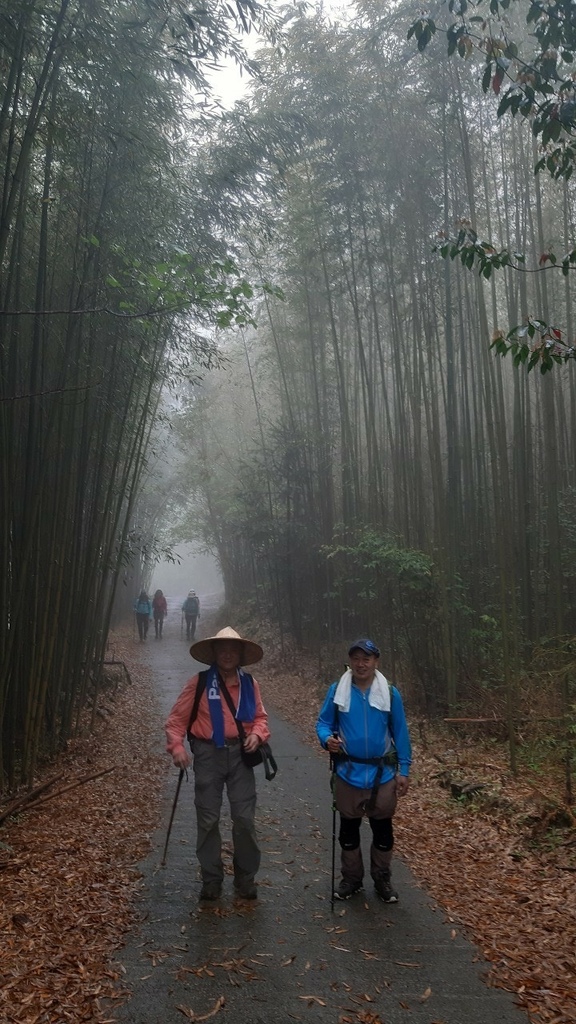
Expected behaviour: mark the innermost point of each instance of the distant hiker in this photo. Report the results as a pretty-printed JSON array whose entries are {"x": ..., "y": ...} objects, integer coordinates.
[
  {"x": 191, "y": 609},
  {"x": 363, "y": 725},
  {"x": 217, "y": 751},
  {"x": 143, "y": 610},
  {"x": 159, "y": 612}
]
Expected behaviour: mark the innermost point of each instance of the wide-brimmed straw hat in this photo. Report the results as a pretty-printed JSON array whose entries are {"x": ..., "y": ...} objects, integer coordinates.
[{"x": 203, "y": 650}]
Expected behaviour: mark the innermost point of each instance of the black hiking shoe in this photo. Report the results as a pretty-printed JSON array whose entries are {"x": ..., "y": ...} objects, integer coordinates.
[
  {"x": 246, "y": 891},
  {"x": 210, "y": 891},
  {"x": 384, "y": 890},
  {"x": 347, "y": 889}
]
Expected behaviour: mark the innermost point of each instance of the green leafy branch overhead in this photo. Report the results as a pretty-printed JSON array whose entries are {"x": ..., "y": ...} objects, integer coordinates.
[
  {"x": 535, "y": 342},
  {"x": 216, "y": 293},
  {"x": 474, "y": 252},
  {"x": 178, "y": 284},
  {"x": 535, "y": 78}
]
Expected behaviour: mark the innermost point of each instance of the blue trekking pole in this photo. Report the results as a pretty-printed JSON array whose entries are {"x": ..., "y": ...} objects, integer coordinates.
[{"x": 333, "y": 883}]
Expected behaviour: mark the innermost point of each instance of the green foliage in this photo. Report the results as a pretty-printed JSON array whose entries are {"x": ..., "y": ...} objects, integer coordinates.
[
  {"x": 536, "y": 342},
  {"x": 117, "y": 275},
  {"x": 422, "y": 30},
  {"x": 540, "y": 754},
  {"x": 178, "y": 284},
  {"x": 375, "y": 560},
  {"x": 540, "y": 79},
  {"x": 386, "y": 589},
  {"x": 485, "y": 640},
  {"x": 473, "y": 252},
  {"x": 536, "y": 70}
]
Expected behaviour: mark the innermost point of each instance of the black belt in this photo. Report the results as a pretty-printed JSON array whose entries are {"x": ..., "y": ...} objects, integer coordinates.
[
  {"x": 389, "y": 759},
  {"x": 228, "y": 743}
]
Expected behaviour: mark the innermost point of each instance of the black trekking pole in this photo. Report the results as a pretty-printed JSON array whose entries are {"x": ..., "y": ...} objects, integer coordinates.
[
  {"x": 333, "y": 791},
  {"x": 180, "y": 777}
]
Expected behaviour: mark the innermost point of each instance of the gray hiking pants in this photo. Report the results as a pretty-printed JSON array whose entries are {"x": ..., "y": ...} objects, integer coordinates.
[
  {"x": 351, "y": 803},
  {"x": 215, "y": 768}
]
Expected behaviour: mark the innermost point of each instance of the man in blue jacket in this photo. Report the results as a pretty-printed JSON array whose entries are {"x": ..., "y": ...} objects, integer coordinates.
[{"x": 363, "y": 726}]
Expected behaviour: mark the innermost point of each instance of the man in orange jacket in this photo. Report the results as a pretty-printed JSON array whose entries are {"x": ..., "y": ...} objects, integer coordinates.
[{"x": 217, "y": 751}]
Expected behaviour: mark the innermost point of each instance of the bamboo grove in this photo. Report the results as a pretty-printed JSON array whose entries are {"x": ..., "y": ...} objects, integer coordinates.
[
  {"x": 353, "y": 451},
  {"x": 111, "y": 273},
  {"x": 367, "y": 464}
]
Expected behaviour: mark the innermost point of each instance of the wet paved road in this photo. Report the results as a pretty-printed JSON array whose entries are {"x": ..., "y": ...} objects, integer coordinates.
[{"x": 288, "y": 957}]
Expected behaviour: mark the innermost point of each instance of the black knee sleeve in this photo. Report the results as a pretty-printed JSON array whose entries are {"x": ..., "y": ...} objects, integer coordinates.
[
  {"x": 382, "y": 833},
  {"x": 349, "y": 837}
]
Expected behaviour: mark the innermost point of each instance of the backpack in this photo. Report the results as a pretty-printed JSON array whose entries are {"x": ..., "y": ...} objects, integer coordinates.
[{"x": 192, "y": 605}]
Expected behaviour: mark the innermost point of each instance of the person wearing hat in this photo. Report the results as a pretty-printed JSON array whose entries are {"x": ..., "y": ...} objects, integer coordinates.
[
  {"x": 363, "y": 726},
  {"x": 191, "y": 612},
  {"x": 217, "y": 753}
]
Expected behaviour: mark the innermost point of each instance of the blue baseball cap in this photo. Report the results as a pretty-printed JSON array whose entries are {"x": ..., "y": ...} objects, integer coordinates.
[{"x": 368, "y": 646}]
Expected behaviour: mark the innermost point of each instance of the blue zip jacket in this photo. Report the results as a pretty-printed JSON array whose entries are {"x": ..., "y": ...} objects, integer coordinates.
[
  {"x": 366, "y": 732},
  {"x": 143, "y": 608}
]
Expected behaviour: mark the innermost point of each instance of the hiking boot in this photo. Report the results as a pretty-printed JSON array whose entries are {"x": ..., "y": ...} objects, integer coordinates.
[
  {"x": 247, "y": 891},
  {"x": 210, "y": 891},
  {"x": 347, "y": 889},
  {"x": 384, "y": 890}
]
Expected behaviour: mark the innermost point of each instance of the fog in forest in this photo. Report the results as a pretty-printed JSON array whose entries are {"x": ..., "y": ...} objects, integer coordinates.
[
  {"x": 191, "y": 570},
  {"x": 290, "y": 354},
  {"x": 313, "y": 313}
]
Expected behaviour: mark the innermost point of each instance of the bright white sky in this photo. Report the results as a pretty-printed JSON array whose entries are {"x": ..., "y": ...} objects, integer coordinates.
[{"x": 230, "y": 85}]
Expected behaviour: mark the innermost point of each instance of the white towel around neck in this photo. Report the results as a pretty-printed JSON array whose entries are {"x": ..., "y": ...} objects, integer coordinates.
[{"x": 378, "y": 697}]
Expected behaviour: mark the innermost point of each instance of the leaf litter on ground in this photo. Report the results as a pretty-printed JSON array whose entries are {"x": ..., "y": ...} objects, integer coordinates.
[{"x": 69, "y": 877}]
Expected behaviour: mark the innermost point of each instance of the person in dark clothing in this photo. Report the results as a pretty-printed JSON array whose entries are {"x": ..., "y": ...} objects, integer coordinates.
[
  {"x": 159, "y": 612},
  {"x": 143, "y": 609},
  {"x": 191, "y": 610}
]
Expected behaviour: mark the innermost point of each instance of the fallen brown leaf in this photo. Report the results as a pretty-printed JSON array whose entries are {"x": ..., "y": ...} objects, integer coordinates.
[
  {"x": 206, "y": 1016},
  {"x": 524, "y": 929}
]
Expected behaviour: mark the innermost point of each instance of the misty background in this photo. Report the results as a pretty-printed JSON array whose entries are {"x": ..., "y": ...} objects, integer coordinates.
[{"x": 192, "y": 570}]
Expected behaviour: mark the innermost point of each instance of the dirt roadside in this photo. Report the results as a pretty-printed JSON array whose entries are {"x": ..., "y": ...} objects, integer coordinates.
[{"x": 72, "y": 890}]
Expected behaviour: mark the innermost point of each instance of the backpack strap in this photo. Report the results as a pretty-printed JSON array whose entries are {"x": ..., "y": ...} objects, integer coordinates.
[
  {"x": 200, "y": 687},
  {"x": 268, "y": 760},
  {"x": 230, "y": 703}
]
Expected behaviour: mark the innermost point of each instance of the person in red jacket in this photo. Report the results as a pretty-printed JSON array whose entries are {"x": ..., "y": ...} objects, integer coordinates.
[
  {"x": 159, "y": 612},
  {"x": 217, "y": 752}
]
